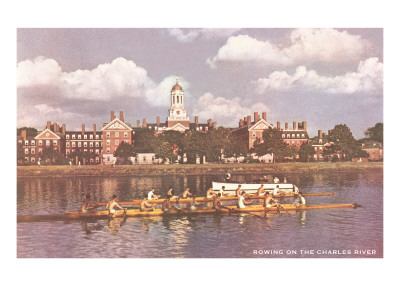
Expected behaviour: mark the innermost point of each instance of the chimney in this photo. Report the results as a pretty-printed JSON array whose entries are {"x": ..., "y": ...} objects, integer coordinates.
[
  {"x": 137, "y": 123},
  {"x": 256, "y": 117},
  {"x": 48, "y": 125},
  {"x": 249, "y": 120},
  {"x": 23, "y": 134},
  {"x": 83, "y": 129},
  {"x": 214, "y": 125},
  {"x": 112, "y": 115},
  {"x": 63, "y": 129},
  {"x": 196, "y": 120},
  {"x": 264, "y": 116},
  {"x": 278, "y": 125},
  {"x": 294, "y": 125},
  {"x": 304, "y": 126},
  {"x": 320, "y": 134},
  {"x": 158, "y": 121},
  {"x": 286, "y": 126},
  {"x": 209, "y": 122},
  {"x": 121, "y": 116},
  {"x": 329, "y": 131},
  {"x": 94, "y": 130},
  {"x": 144, "y": 123},
  {"x": 241, "y": 123}
]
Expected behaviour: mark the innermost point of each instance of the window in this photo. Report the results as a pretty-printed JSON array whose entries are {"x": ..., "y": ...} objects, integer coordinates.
[
  {"x": 91, "y": 136},
  {"x": 73, "y": 136},
  {"x": 302, "y": 135},
  {"x": 117, "y": 134},
  {"x": 47, "y": 143},
  {"x": 67, "y": 137},
  {"x": 40, "y": 142},
  {"x": 27, "y": 159},
  {"x": 67, "y": 151},
  {"x": 97, "y": 159},
  {"x": 26, "y": 143},
  {"x": 85, "y": 144},
  {"x": 97, "y": 151},
  {"x": 85, "y": 137},
  {"x": 54, "y": 142},
  {"x": 293, "y": 135},
  {"x": 33, "y": 142},
  {"x": 298, "y": 135},
  {"x": 108, "y": 150},
  {"x": 26, "y": 151},
  {"x": 19, "y": 141},
  {"x": 108, "y": 142},
  {"x": 108, "y": 134},
  {"x": 253, "y": 134},
  {"x": 283, "y": 136},
  {"x": 32, "y": 159},
  {"x": 73, "y": 144},
  {"x": 97, "y": 136},
  {"x": 67, "y": 144},
  {"x": 97, "y": 144},
  {"x": 32, "y": 150},
  {"x": 125, "y": 134},
  {"x": 91, "y": 144},
  {"x": 79, "y": 144},
  {"x": 79, "y": 136},
  {"x": 116, "y": 142}
]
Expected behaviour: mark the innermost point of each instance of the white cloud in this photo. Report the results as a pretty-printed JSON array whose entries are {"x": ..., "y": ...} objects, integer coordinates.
[
  {"x": 303, "y": 46},
  {"x": 225, "y": 111},
  {"x": 121, "y": 78},
  {"x": 368, "y": 78},
  {"x": 189, "y": 35}
]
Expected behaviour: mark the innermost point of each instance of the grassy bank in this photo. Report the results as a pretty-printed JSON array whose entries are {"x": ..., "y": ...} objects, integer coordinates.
[{"x": 207, "y": 169}]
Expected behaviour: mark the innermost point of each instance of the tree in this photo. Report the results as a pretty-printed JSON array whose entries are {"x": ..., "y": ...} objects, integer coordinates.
[
  {"x": 195, "y": 144},
  {"x": 81, "y": 155},
  {"x": 123, "y": 152},
  {"x": 272, "y": 143},
  {"x": 306, "y": 152},
  {"x": 30, "y": 131},
  {"x": 144, "y": 141},
  {"x": 375, "y": 133},
  {"x": 51, "y": 156},
  {"x": 343, "y": 142}
]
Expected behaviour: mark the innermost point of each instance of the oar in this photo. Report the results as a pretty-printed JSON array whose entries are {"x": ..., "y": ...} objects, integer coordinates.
[
  {"x": 280, "y": 206},
  {"x": 124, "y": 216},
  {"x": 232, "y": 209}
]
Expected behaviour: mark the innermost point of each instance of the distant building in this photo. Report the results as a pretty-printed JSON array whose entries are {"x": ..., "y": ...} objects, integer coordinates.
[
  {"x": 28, "y": 145},
  {"x": 114, "y": 133},
  {"x": 374, "y": 149},
  {"x": 319, "y": 145},
  {"x": 296, "y": 136}
]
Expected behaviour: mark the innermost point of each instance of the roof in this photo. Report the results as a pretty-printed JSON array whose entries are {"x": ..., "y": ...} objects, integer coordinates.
[{"x": 177, "y": 87}]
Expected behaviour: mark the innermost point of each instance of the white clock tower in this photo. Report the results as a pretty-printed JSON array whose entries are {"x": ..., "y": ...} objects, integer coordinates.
[{"x": 177, "y": 112}]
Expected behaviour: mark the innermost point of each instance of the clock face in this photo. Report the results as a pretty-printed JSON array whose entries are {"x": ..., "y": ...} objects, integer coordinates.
[{"x": 178, "y": 112}]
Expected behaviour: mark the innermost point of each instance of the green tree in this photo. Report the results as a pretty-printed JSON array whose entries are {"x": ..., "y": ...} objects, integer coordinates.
[
  {"x": 144, "y": 141},
  {"x": 375, "y": 133},
  {"x": 82, "y": 156},
  {"x": 51, "y": 156},
  {"x": 272, "y": 143},
  {"x": 165, "y": 150},
  {"x": 123, "y": 152},
  {"x": 195, "y": 144},
  {"x": 343, "y": 142},
  {"x": 30, "y": 131},
  {"x": 306, "y": 152}
]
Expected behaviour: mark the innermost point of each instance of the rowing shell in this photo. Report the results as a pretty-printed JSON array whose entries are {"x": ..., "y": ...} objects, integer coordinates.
[
  {"x": 98, "y": 214},
  {"x": 205, "y": 199}
]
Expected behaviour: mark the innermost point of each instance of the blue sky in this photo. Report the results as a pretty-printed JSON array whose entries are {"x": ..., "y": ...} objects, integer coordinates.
[{"x": 324, "y": 76}]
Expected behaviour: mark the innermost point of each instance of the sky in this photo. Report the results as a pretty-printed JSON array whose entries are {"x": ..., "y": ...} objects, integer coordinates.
[{"x": 323, "y": 76}]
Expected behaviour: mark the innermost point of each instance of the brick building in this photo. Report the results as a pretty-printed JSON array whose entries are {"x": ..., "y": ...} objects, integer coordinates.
[
  {"x": 28, "y": 146},
  {"x": 374, "y": 149},
  {"x": 85, "y": 141},
  {"x": 114, "y": 133},
  {"x": 296, "y": 136}
]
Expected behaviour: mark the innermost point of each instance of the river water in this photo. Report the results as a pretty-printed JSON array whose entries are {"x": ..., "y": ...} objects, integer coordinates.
[{"x": 326, "y": 233}]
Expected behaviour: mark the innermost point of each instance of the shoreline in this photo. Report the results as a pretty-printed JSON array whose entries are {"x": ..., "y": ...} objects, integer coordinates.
[{"x": 203, "y": 169}]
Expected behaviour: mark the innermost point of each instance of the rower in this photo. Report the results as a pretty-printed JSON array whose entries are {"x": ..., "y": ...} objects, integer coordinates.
[
  {"x": 170, "y": 193},
  {"x": 88, "y": 205},
  {"x": 238, "y": 190},
  {"x": 275, "y": 192},
  {"x": 276, "y": 179},
  {"x": 145, "y": 205},
  {"x": 217, "y": 202},
  {"x": 151, "y": 195},
  {"x": 111, "y": 206},
  {"x": 166, "y": 205},
  {"x": 223, "y": 192},
  {"x": 269, "y": 201},
  {"x": 295, "y": 190},
  {"x": 242, "y": 201},
  {"x": 210, "y": 195},
  {"x": 189, "y": 196},
  {"x": 260, "y": 190}
]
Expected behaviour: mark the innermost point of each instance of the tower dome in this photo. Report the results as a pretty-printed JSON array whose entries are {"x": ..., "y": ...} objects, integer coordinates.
[{"x": 176, "y": 87}]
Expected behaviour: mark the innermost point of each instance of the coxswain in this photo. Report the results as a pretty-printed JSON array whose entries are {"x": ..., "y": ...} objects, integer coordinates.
[
  {"x": 241, "y": 203},
  {"x": 88, "y": 205},
  {"x": 111, "y": 205},
  {"x": 284, "y": 180},
  {"x": 299, "y": 200},
  {"x": 238, "y": 191},
  {"x": 145, "y": 205}
]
